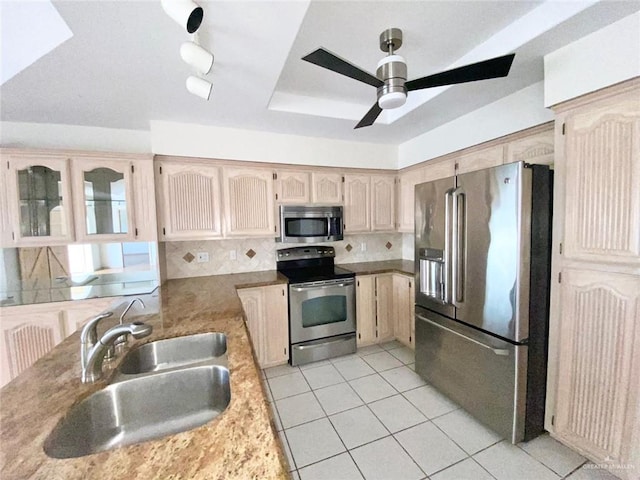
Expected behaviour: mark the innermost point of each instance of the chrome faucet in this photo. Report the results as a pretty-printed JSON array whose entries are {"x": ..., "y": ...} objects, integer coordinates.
[
  {"x": 89, "y": 336},
  {"x": 122, "y": 340},
  {"x": 92, "y": 366}
]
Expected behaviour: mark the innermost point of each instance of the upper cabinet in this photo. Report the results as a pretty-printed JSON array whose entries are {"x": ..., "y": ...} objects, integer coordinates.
[
  {"x": 357, "y": 203},
  {"x": 407, "y": 182},
  {"x": 55, "y": 199},
  {"x": 248, "y": 201},
  {"x": 38, "y": 199},
  {"x": 103, "y": 196},
  {"x": 292, "y": 187},
  {"x": 481, "y": 159},
  {"x": 326, "y": 188},
  {"x": 537, "y": 148},
  {"x": 189, "y": 201},
  {"x": 383, "y": 202}
]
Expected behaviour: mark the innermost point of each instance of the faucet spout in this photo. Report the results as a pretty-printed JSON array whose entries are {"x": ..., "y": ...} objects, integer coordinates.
[
  {"x": 92, "y": 370},
  {"x": 89, "y": 336}
]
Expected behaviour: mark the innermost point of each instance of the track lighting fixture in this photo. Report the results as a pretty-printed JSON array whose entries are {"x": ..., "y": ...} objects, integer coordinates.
[
  {"x": 185, "y": 13},
  {"x": 196, "y": 56},
  {"x": 199, "y": 87}
]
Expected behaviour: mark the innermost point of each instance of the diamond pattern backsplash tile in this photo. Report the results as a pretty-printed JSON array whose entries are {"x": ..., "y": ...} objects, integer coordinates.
[{"x": 257, "y": 254}]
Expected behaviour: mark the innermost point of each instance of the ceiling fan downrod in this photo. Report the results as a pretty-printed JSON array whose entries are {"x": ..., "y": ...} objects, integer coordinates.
[{"x": 392, "y": 70}]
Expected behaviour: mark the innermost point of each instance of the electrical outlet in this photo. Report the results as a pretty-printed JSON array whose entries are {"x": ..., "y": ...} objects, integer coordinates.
[
  {"x": 232, "y": 255},
  {"x": 202, "y": 257},
  {"x": 363, "y": 247}
]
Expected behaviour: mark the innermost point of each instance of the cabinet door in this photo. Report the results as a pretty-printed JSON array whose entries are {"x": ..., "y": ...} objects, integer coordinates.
[
  {"x": 596, "y": 372},
  {"x": 103, "y": 199},
  {"x": 366, "y": 309},
  {"x": 248, "y": 202},
  {"x": 536, "y": 149},
  {"x": 384, "y": 307},
  {"x": 440, "y": 169},
  {"x": 275, "y": 326},
  {"x": 407, "y": 182},
  {"x": 602, "y": 174},
  {"x": 403, "y": 309},
  {"x": 292, "y": 187},
  {"x": 28, "y": 333},
  {"x": 144, "y": 201},
  {"x": 39, "y": 199},
  {"x": 481, "y": 159},
  {"x": 357, "y": 203},
  {"x": 188, "y": 201},
  {"x": 383, "y": 211},
  {"x": 326, "y": 188},
  {"x": 267, "y": 313}
]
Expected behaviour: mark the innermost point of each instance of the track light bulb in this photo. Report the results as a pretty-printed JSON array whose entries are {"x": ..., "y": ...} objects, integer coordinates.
[
  {"x": 196, "y": 56},
  {"x": 199, "y": 87},
  {"x": 185, "y": 13}
]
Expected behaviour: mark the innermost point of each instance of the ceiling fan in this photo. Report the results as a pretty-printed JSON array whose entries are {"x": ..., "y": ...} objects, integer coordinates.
[{"x": 391, "y": 74}]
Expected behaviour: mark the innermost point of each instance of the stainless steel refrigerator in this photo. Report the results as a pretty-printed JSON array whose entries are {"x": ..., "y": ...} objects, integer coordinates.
[{"x": 482, "y": 250}]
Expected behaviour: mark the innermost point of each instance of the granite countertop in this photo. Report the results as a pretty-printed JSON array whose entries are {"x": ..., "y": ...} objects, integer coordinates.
[
  {"x": 239, "y": 443},
  {"x": 406, "y": 267}
]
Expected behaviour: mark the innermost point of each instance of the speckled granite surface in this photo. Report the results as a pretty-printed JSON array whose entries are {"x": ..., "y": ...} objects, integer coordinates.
[
  {"x": 386, "y": 266},
  {"x": 240, "y": 443}
]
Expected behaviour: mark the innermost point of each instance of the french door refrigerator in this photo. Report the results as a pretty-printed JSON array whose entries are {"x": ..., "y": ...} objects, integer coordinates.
[{"x": 482, "y": 250}]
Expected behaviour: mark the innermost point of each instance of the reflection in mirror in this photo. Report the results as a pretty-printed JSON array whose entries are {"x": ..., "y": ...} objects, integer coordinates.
[
  {"x": 41, "y": 212},
  {"x": 106, "y": 202}
]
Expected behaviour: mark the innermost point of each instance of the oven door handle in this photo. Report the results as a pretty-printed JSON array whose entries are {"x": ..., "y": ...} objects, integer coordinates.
[{"x": 319, "y": 287}]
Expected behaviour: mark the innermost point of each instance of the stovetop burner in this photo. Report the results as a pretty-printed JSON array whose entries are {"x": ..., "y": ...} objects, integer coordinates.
[{"x": 310, "y": 264}]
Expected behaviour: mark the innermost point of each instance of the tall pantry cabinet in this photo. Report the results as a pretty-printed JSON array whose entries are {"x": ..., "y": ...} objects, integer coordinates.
[{"x": 594, "y": 383}]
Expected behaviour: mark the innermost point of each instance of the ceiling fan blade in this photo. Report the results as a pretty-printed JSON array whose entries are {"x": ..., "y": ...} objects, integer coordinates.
[
  {"x": 493, "y": 68},
  {"x": 326, "y": 59},
  {"x": 369, "y": 117}
]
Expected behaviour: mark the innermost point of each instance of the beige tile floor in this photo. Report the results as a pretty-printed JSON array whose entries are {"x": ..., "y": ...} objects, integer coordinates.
[{"x": 370, "y": 416}]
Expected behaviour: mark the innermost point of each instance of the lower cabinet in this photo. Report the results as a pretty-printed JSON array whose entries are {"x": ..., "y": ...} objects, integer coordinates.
[
  {"x": 404, "y": 313},
  {"x": 384, "y": 308},
  {"x": 267, "y": 313},
  {"x": 29, "y": 332}
]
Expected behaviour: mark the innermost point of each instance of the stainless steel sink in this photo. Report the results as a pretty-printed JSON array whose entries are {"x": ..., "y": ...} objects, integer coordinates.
[
  {"x": 174, "y": 352},
  {"x": 140, "y": 409}
]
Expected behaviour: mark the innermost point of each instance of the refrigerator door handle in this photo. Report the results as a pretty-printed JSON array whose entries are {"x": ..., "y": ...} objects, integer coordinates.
[
  {"x": 498, "y": 351},
  {"x": 446, "y": 276},
  {"x": 457, "y": 270}
]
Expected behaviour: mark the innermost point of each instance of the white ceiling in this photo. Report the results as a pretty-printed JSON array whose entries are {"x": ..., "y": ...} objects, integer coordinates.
[{"x": 121, "y": 68}]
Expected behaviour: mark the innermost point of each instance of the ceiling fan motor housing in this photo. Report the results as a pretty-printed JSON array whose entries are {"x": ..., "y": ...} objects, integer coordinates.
[{"x": 392, "y": 70}]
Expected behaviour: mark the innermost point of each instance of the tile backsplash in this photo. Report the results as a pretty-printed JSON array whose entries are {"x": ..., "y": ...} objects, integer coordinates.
[{"x": 255, "y": 254}]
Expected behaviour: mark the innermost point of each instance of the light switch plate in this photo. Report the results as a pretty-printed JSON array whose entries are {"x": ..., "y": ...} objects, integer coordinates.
[{"x": 202, "y": 257}]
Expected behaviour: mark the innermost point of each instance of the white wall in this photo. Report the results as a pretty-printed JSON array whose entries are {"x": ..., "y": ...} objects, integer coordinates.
[
  {"x": 520, "y": 110},
  {"x": 170, "y": 138},
  {"x": 75, "y": 137},
  {"x": 605, "y": 57}
]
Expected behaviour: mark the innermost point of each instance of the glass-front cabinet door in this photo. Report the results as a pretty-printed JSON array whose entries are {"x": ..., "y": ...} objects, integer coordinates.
[
  {"x": 104, "y": 209},
  {"x": 39, "y": 199}
]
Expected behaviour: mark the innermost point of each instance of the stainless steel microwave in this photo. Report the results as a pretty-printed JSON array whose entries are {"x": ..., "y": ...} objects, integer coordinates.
[{"x": 310, "y": 224}]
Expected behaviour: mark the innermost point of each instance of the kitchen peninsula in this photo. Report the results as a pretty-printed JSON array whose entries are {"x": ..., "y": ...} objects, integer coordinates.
[{"x": 239, "y": 443}]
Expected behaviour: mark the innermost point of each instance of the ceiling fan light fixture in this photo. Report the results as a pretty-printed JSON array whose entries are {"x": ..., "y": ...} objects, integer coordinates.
[
  {"x": 199, "y": 87},
  {"x": 185, "y": 13},
  {"x": 196, "y": 56},
  {"x": 392, "y": 100}
]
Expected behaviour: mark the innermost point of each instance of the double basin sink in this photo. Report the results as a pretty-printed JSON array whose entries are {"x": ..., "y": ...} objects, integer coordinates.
[{"x": 160, "y": 388}]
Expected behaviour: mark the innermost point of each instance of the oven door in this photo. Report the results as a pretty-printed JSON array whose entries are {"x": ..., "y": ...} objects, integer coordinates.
[{"x": 321, "y": 309}]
